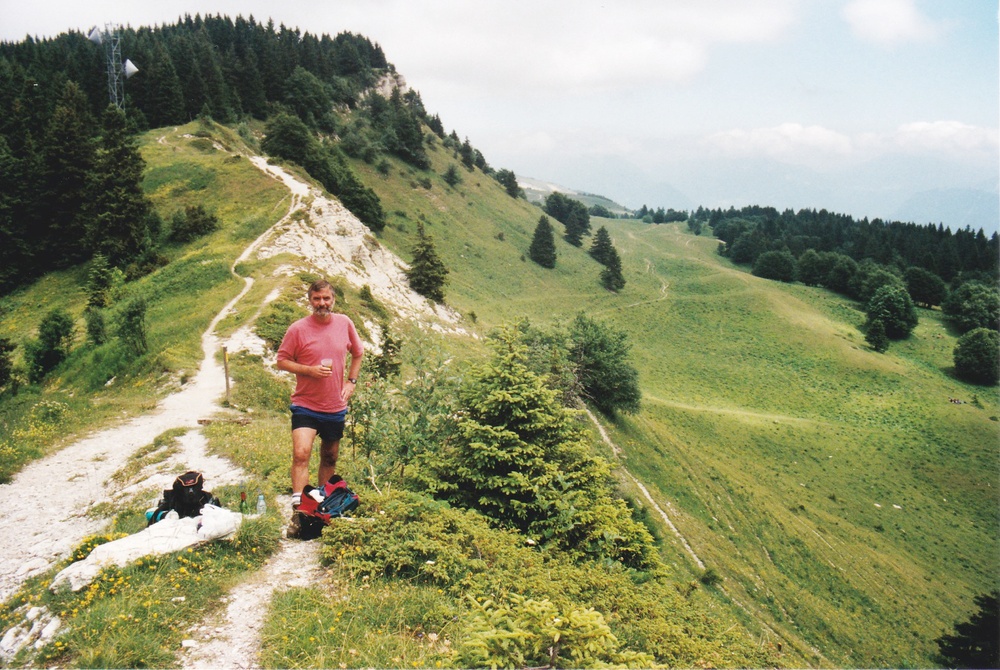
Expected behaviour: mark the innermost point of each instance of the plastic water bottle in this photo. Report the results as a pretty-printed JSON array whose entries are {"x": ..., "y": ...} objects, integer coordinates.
[{"x": 261, "y": 504}]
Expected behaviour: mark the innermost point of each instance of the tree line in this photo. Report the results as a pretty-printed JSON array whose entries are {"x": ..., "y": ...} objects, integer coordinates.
[
  {"x": 70, "y": 176},
  {"x": 890, "y": 267}
]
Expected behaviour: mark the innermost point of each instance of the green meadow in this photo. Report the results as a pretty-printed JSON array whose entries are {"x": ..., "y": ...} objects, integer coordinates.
[{"x": 847, "y": 506}]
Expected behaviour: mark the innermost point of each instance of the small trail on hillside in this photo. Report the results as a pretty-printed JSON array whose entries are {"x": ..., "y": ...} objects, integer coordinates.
[{"x": 645, "y": 492}]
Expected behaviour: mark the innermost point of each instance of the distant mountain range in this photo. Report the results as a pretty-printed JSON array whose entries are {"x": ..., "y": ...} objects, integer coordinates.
[{"x": 874, "y": 190}]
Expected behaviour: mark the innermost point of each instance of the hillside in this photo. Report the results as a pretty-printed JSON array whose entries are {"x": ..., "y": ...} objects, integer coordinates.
[
  {"x": 846, "y": 506},
  {"x": 849, "y": 505}
]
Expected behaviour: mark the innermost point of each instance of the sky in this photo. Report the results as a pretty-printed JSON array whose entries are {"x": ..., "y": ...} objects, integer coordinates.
[{"x": 874, "y": 108}]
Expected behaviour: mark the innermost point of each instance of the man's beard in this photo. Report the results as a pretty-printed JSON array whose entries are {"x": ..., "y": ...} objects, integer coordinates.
[{"x": 321, "y": 311}]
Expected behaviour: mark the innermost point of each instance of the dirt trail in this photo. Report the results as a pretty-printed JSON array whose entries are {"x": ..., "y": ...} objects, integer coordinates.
[{"x": 645, "y": 492}]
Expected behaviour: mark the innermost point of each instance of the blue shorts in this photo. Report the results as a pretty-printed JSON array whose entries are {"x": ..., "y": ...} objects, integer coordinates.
[{"x": 329, "y": 426}]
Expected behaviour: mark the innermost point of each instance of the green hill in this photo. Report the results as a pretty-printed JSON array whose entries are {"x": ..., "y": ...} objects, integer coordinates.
[{"x": 847, "y": 506}]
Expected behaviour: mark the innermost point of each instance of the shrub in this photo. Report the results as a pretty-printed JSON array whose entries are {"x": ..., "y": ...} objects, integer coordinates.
[
  {"x": 891, "y": 305},
  {"x": 130, "y": 327},
  {"x": 55, "y": 333},
  {"x": 977, "y": 356},
  {"x": 779, "y": 265},
  {"x": 973, "y": 305},
  {"x": 192, "y": 224}
]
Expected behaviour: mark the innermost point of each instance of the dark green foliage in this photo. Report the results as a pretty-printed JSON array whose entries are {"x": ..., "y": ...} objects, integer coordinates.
[
  {"x": 508, "y": 180},
  {"x": 386, "y": 363},
  {"x": 748, "y": 246},
  {"x": 97, "y": 329},
  {"x": 925, "y": 287},
  {"x": 779, "y": 265},
  {"x": 518, "y": 457},
  {"x": 130, "y": 326},
  {"x": 975, "y": 642},
  {"x": 55, "y": 335},
  {"x": 841, "y": 274},
  {"x": 876, "y": 337},
  {"x": 288, "y": 137},
  {"x": 427, "y": 274},
  {"x": 933, "y": 248},
  {"x": 601, "y": 354},
  {"x": 69, "y": 160},
  {"x": 611, "y": 275},
  {"x": 601, "y": 211},
  {"x": 892, "y": 306},
  {"x": 119, "y": 226},
  {"x": 99, "y": 281},
  {"x": 572, "y": 214},
  {"x": 192, "y": 224},
  {"x": 543, "y": 244},
  {"x": 310, "y": 99},
  {"x": 6, "y": 362},
  {"x": 467, "y": 155},
  {"x": 810, "y": 269},
  {"x": 977, "y": 356},
  {"x": 869, "y": 278},
  {"x": 601, "y": 247},
  {"x": 973, "y": 305},
  {"x": 451, "y": 176}
]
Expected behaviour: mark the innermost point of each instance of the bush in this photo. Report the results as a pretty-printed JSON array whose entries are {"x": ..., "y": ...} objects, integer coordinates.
[
  {"x": 779, "y": 265},
  {"x": 6, "y": 362},
  {"x": 977, "y": 356},
  {"x": 517, "y": 456},
  {"x": 130, "y": 326},
  {"x": 600, "y": 353},
  {"x": 192, "y": 224},
  {"x": 973, "y": 305},
  {"x": 891, "y": 305},
  {"x": 55, "y": 334}
]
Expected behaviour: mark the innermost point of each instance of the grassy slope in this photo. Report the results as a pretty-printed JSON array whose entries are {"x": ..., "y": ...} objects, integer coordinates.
[
  {"x": 846, "y": 502},
  {"x": 767, "y": 423}
]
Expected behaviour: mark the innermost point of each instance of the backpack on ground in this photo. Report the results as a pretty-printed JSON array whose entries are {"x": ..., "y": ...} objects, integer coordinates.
[
  {"x": 334, "y": 500},
  {"x": 186, "y": 497}
]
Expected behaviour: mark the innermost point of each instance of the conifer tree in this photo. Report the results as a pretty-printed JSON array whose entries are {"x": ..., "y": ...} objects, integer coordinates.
[
  {"x": 543, "y": 244},
  {"x": 119, "y": 225},
  {"x": 602, "y": 247},
  {"x": 611, "y": 276},
  {"x": 427, "y": 274},
  {"x": 69, "y": 155}
]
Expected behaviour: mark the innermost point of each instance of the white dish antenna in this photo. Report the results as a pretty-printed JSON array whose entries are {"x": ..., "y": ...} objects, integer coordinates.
[
  {"x": 130, "y": 68},
  {"x": 95, "y": 35}
]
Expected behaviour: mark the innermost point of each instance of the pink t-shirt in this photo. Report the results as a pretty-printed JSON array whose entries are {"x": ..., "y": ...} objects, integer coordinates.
[{"x": 308, "y": 341}]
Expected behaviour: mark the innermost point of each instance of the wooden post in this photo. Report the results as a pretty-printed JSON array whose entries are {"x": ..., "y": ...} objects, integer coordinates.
[{"x": 225, "y": 362}]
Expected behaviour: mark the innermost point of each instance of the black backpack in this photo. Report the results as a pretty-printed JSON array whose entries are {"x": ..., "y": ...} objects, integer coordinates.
[{"x": 186, "y": 497}]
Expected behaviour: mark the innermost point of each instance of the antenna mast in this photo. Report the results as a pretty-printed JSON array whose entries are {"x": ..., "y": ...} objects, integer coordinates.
[{"x": 117, "y": 72}]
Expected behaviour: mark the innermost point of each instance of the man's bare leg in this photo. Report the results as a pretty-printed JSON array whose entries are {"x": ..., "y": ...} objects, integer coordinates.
[
  {"x": 327, "y": 460},
  {"x": 302, "y": 441}
]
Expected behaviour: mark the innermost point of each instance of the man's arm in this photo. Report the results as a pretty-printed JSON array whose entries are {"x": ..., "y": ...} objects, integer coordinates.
[
  {"x": 348, "y": 389},
  {"x": 317, "y": 371}
]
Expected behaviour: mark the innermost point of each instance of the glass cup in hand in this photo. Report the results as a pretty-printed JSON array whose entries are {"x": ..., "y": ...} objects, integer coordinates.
[{"x": 326, "y": 362}]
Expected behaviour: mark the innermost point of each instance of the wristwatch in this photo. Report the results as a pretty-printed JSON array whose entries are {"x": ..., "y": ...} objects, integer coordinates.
[{"x": 353, "y": 380}]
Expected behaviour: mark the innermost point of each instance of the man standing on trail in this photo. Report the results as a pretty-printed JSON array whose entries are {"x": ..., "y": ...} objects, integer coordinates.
[{"x": 315, "y": 349}]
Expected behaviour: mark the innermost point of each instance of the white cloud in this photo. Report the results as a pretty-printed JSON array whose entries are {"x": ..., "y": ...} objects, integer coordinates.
[
  {"x": 816, "y": 146},
  {"x": 789, "y": 142},
  {"x": 563, "y": 45},
  {"x": 950, "y": 137},
  {"x": 888, "y": 22}
]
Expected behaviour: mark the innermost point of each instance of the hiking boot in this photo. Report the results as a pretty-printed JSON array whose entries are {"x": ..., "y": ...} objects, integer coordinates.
[{"x": 294, "y": 530}]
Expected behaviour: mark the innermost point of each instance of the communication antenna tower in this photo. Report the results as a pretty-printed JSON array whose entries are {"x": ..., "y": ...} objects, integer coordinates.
[{"x": 117, "y": 72}]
